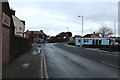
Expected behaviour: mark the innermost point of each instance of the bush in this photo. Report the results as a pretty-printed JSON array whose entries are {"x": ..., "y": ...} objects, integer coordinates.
[{"x": 71, "y": 43}]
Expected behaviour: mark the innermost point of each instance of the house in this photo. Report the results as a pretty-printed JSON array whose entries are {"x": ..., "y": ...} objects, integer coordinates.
[
  {"x": 7, "y": 28},
  {"x": 94, "y": 41},
  {"x": 94, "y": 35},
  {"x": 35, "y": 36},
  {"x": 19, "y": 25}
]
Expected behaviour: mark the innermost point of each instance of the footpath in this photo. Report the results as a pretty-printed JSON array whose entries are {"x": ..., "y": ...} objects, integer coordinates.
[
  {"x": 96, "y": 49},
  {"x": 28, "y": 65}
]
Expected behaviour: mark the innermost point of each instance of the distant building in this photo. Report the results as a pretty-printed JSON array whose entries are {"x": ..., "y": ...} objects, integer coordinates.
[
  {"x": 7, "y": 32},
  {"x": 77, "y": 36},
  {"x": 36, "y": 36},
  {"x": 94, "y": 41},
  {"x": 94, "y": 35},
  {"x": 19, "y": 25}
]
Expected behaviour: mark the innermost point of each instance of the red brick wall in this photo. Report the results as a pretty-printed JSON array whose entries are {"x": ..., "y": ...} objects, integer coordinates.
[
  {"x": 7, "y": 36},
  {"x": 5, "y": 45}
]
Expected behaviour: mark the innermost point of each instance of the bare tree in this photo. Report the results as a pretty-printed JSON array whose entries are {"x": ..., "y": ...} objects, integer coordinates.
[{"x": 105, "y": 31}]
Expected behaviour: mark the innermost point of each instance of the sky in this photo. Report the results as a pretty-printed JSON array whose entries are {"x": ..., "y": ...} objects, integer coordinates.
[{"x": 55, "y": 17}]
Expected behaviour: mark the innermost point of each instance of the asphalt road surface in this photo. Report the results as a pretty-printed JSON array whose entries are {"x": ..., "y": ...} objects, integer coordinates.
[{"x": 65, "y": 61}]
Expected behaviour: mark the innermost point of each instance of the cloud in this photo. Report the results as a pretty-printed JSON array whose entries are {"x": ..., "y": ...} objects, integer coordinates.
[
  {"x": 56, "y": 16},
  {"x": 62, "y": 0}
]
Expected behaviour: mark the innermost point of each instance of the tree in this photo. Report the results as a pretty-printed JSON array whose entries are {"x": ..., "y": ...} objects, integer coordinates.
[
  {"x": 69, "y": 34},
  {"x": 105, "y": 31},
  {"x": 64, "y": 34}
]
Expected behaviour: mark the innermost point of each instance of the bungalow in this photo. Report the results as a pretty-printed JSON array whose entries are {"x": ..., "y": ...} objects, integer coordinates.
[{"x": 94, "y": 41}]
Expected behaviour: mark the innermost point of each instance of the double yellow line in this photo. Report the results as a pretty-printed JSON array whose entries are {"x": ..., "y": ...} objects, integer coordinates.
[{"x": 44, "y": 74}]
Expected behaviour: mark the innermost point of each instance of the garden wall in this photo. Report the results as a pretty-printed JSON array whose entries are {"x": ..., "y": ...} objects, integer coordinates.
[{"x": 21, "y": 46}]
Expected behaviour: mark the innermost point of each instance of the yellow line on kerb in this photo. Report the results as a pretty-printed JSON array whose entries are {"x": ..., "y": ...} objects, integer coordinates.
[
  {"x": 44, "y": 74},
  {"x": 41, "y": 67}
]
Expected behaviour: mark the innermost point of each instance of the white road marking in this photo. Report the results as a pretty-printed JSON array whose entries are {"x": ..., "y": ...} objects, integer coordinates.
[
  {"x": 69, "y": 45},
  {"x": 26, "y": 65},
  {"x": 34, "y": 52}
]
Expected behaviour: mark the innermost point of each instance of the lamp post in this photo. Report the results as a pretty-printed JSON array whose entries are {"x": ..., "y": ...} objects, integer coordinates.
[
  {"x": 67, "y": 34},
  {"x": 67, "y": 28},
  {"x": 82, "y": 25},
  {"x": 115, "y": 28}
]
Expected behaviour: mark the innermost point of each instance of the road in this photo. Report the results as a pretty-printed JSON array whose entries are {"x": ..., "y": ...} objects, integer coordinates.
[{"x": 74, "y": 62}]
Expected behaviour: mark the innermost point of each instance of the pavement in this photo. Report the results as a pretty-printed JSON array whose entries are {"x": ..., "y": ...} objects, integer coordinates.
[
  {"x": 97, "y": 49},
  {"x": 28, "y": 65}
]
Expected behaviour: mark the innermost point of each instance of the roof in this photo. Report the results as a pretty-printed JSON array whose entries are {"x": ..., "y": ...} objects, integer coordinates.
[
  {"x": 94, "y": 38},
  {"x": 91, "y": 35},
  {"x": 34, "y": 32}
]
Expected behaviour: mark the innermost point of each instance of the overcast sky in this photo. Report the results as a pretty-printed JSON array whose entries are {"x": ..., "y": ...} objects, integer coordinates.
[{"x": 54, "y": 17}]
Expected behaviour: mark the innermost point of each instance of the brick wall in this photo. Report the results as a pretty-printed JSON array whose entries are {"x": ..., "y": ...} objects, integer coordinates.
[
  {"x": 5, "y": 45},
  {"x": 7, "y": 34},
  {"x": 11, "y": 46},
  {"x": 21, "y": 46}
]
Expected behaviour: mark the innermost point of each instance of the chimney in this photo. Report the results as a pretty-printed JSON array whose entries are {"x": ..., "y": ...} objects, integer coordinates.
[
  {"x": 12, "y": 12},
  {"x": 41, "y": 31},
  {"x": 23, "y": 22},
  {"x": 31, "y": 32}
]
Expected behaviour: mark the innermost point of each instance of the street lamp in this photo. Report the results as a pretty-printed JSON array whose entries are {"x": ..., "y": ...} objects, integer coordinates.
[
  {"x": 115, "y": 28},
  {"x": 82, "y": 24},
  {"x": 67, "y": 34},
  {"x": 67, "y": 28}
]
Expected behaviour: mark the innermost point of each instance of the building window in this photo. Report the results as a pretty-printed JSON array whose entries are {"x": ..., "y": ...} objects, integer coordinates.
[
  {"x": 20, "y": 28},
  {"x": 86, "y": 40},
  {"x": 79, "y": 40}
]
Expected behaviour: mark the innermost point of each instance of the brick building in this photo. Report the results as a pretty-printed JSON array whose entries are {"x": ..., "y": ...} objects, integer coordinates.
[
  {"x": 7, "y": 33},
  {"x": 35, "y": 36}
]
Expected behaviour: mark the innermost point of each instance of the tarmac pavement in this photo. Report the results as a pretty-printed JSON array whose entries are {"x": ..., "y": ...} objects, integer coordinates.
[{"x": 28, "y": 65}]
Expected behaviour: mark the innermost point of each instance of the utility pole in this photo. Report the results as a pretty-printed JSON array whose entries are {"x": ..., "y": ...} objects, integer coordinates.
[
  {"x": 67, "y": 28},
  {"x": 91, "y": 30},
  {"x": 115, "y": 28},
  {"x": 115, "y": 31},
  {"x": 82, "y": 25},
  {"x": 67, "y": 34}
]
